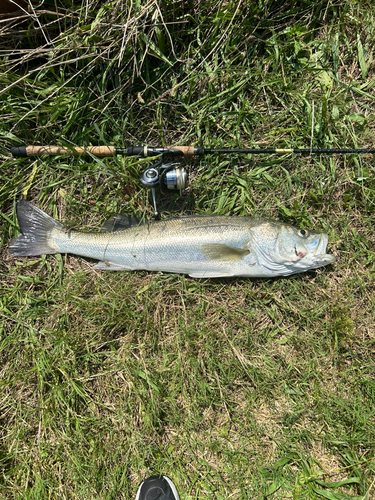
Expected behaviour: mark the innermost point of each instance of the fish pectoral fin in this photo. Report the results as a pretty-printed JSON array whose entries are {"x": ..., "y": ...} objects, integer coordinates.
[
  {"x": 210, "y": 274},
  {"x": 219, "y": 251},
  {"x": 119, "y": 223},
  {"x": 109, "y": 266}
]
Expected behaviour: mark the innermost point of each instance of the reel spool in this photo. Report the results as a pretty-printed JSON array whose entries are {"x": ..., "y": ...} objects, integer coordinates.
[{"x": 168, "y": 176}]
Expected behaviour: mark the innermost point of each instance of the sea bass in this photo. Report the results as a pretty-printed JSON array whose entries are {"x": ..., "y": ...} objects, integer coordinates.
[{"x": 200, "y": 246}]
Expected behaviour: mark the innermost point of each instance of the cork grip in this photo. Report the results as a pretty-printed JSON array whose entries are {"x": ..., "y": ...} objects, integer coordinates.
[
  {"x": 101, "y": 151},
  {"x": 186, "y": 150}
]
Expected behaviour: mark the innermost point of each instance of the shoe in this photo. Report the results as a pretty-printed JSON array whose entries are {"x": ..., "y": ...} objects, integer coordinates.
[{"x": 157, "y": 488}]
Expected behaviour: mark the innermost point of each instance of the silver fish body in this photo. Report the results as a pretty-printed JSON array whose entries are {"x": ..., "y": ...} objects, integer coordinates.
[{"x": 201, "y": 246}]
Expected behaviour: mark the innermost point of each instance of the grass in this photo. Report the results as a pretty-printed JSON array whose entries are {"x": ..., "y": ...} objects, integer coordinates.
[{"x": 235, "y": 388}]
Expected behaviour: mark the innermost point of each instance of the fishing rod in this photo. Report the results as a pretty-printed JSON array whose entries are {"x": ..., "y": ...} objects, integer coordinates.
[
  {"x": 168, "y": 175},
  {"x": 145, "y": 151}
]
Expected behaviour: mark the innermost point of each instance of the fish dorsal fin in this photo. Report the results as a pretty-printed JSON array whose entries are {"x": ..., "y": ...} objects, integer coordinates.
[
  {"x": 219, "y": 251},
  {"x": 119, "y": 223}
]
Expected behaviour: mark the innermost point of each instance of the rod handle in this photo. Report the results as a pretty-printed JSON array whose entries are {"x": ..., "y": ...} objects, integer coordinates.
[{"x": 24, "y": 151}]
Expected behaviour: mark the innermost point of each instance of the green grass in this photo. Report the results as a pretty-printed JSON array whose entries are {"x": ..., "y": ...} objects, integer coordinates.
[{"x": 235, "y": 388}]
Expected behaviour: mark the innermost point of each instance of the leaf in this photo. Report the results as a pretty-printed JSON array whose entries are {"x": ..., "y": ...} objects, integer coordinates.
[
  {"x": 145, "y": 376},
  {"x": 272, "y": 488},
  {"x": 357, "y": 118},
  {"x": 327, "y": 494},
  {"x": 361, "y": 58},
  {"x": 144, "y": 289},
  {"x": 98, "y": 18},
  {"x": 153, "y": 49},
  {"x": 9, "y": 135},
  {"x": 335, "y": 113},
  {"x": 325, "y": 79},
  {"x": 337, "y": 496},
  {"x": 337, "y": 484}
]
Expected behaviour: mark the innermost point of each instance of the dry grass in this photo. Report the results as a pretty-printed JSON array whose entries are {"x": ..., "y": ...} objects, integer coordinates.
[{"x": 234, "y": 388}]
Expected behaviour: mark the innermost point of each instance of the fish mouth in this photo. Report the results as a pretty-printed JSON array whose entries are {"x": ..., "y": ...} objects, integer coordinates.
[{"x": 318, "y": 249}]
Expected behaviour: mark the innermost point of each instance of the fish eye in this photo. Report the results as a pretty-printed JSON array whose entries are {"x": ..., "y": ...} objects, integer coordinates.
[{"x": 303, "y": 233}]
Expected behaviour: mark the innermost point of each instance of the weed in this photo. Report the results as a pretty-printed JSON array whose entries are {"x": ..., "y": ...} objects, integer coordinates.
[{"x": 235, "y": 388}]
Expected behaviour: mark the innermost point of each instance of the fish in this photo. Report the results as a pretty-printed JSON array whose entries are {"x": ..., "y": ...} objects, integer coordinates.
[{"x": 201, "y": 246}]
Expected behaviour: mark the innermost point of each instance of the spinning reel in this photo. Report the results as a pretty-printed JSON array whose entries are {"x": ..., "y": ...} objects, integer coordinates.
[{"x": 168, "y": 176}]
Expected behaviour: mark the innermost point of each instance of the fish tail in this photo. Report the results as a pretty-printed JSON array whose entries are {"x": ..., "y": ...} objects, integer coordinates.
[{"x": 36, "y": 227}]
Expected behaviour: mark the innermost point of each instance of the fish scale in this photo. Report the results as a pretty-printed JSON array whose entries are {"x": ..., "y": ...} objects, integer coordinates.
[
  {"x": 201, "y": 246},
  {"x": 171, "y": 245}
]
